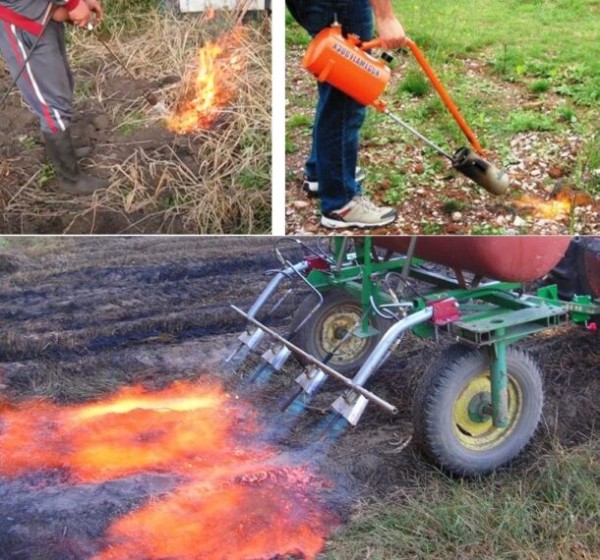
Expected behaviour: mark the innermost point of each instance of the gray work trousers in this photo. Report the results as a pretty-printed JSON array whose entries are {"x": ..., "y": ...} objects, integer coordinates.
[{"x": 47, "y": 83}]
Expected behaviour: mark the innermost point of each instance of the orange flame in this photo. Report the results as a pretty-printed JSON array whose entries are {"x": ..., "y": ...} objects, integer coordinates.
[
  {"x": 246, "y": 517},
  {"x": 239, "y": 499},
  {"x": 211, "y": 87},
  {"x": 559, "y": 207},
  {"x": 555, "y": 209}
]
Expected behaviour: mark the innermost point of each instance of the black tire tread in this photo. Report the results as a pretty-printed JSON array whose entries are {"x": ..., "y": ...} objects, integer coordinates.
[{"x": 439, "y": 379}]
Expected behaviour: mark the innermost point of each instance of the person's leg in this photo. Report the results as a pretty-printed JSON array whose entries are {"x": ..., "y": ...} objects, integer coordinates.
[
  {"x": 338, "y": 118},
  {"x": 339, "y": 121},
  {"x": 47, "y": 87},
  {"x": 44, "y": 84}
]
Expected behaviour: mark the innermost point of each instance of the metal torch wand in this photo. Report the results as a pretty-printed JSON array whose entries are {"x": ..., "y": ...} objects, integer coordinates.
[{"x": 150, "y": 97}]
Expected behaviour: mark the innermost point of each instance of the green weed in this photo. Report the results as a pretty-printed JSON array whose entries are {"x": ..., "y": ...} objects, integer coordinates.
[
  {"x": 486, "y": 229},
  {"x": 133, "y": 122},
  {"x": 431, "y": 228},
  {"x": 295, "y": 35},
  {"x": 414, "y": 83},
  {"x": 540, "y": 86},
  {"x": 299, "y": 121},
  {"x": 28, "y": 142},
  {"x": 47, "y": 174},
  {"x": 450, "y": 205},
  {"x": 396, "y": 190},
  {"x": 290, "y": 147},
  {"x": 566, "y": 113},
  {"x": 528, "y": 121},
  {"x": 252, "y": 178}
]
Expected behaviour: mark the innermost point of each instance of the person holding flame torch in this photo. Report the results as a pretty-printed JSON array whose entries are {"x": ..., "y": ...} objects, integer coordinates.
[
  {"x": 32, "y": 42},
  {"x": 331, "y": 165}
]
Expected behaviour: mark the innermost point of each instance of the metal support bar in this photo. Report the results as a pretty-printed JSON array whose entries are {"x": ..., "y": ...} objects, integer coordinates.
[
  {"x": 499, "y": 374},
  {"x": 412, "y": 130},
  {"x": 381, "y": 350},
  {"x": 273, "y": 285},
  {"x": 409, "y": 257},
  {"x": 253, "y": 340},
  {"x": 352, "y": 406},
  {"x": 324, "y": 367},
  {"x": 368, "y": 287}
]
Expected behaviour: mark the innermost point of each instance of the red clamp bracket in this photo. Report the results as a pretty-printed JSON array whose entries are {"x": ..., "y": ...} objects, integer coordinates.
[
  {"x": 444, "y": 311},
  {"x": 316, "y": 263}
]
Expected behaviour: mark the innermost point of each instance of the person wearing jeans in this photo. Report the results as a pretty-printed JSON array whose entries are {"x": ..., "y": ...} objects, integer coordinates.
[{"x": 332, "y": 163}]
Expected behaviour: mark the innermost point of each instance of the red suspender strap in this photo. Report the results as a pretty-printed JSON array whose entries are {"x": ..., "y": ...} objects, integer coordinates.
[{"x": 20, "y": 21}]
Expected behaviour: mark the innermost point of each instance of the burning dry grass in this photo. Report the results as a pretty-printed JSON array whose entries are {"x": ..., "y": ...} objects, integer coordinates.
[
  {"x": 560, "y": 206},
  {"x": 211, "y": 180}
]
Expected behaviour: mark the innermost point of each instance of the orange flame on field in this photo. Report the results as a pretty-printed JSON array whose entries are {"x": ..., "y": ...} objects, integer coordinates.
[
  {"x": 237, "y": 499},
  {"x": 246, "y": 517},
  {"x": 554, "y": 209},
  {"x": 210, "y": 88}
]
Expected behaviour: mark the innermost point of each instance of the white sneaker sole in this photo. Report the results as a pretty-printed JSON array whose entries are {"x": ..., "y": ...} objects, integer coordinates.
[{"x": 332, "y": 223}]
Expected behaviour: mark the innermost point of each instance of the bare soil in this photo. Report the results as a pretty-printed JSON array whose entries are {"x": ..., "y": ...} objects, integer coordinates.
[
  {"x": 84, "y": 317},
  {"x": 92, "y": 127}
]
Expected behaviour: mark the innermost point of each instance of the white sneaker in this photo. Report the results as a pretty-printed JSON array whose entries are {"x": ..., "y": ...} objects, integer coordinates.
[
  {"x": 359, "y": 212},
  {"x": 311, "y": 188}
]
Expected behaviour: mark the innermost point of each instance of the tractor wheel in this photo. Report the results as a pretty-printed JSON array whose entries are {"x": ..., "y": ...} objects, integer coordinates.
[
  {"x": 329, "y": 324},
  {"x": 448, "y": 425}
]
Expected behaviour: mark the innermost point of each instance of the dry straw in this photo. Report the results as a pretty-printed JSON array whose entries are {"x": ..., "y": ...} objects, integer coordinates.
[{"x": 210, "y": 181}]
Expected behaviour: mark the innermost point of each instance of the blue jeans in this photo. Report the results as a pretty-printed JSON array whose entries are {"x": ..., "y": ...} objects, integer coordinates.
[{"x": 338, "y": 119}]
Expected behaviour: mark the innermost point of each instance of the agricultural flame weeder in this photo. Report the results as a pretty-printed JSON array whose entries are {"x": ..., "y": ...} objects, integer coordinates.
[{"x": 474, "y": 410}]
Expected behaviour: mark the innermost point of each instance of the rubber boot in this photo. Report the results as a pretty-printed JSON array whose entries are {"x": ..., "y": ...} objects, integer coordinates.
[{"x": 70, "y": 178}]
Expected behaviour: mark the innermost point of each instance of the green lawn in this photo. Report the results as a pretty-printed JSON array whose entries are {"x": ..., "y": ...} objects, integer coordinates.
[
  {"x": 550, "y": 512},
  {"x": 554, "y": 41}
]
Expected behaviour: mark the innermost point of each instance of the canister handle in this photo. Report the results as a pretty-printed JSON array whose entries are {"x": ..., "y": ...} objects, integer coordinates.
[{"x": 435, "y": 81}]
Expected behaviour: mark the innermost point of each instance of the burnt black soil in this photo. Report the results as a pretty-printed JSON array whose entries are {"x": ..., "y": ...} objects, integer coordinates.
[{"x": 83, "y": 317}]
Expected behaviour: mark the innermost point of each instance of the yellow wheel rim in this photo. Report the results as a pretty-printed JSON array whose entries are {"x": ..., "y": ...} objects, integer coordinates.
[
  {"x": 480, "y": 434},
  {"x": 334, "y": 328}
]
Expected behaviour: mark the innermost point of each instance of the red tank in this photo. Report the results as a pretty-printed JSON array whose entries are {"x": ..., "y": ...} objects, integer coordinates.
[
  {"x": 340, "y": 62},
  {"x": 507, "y": 258}
]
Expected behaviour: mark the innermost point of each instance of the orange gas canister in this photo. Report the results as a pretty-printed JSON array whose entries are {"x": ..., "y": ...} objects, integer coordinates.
[{"x": 340, "y": 62}]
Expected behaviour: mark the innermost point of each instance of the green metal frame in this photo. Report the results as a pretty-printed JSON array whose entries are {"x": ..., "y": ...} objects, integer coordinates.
[{"x": 493, "y": 315}]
